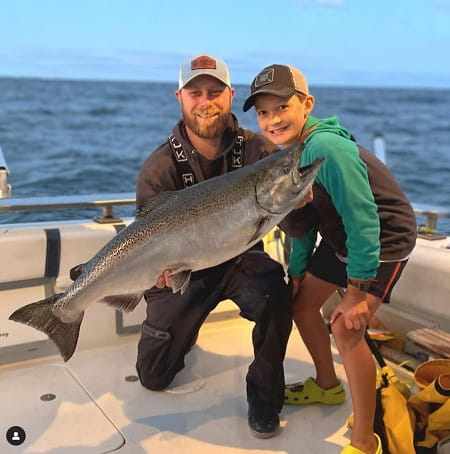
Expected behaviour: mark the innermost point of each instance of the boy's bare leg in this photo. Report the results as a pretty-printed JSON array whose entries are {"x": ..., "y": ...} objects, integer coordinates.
[
  {"x": 311, "y": 295},
  {"x": 361, "y": 374}
]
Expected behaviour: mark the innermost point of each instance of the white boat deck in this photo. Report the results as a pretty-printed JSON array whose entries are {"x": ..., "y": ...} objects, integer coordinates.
[{"x": 100, "y": 407}]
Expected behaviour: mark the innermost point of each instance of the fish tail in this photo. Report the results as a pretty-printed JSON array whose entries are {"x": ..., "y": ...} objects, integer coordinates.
[{"x": 39, "y": 315}]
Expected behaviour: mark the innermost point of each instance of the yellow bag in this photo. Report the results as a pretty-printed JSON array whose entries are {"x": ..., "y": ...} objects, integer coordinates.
[
  {"x": 393, "y": 419},
  {"x": 392, "y": 416},
  {"x": 432, "y": 412}
]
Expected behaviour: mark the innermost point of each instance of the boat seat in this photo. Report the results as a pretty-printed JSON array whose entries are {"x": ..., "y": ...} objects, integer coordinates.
[
  {"x": 38, "y": 254},
  {"x": 24, "y": 249},
  {"x": 433, "y": 340}
]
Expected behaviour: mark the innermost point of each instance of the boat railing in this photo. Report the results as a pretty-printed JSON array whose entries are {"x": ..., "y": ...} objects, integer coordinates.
[
  {"x": 431, "y": 214},
  {"x": 107, "y": 201}
]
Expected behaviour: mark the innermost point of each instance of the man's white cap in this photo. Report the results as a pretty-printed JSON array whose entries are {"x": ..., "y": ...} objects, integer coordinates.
[{"x": 203, "y": 65}]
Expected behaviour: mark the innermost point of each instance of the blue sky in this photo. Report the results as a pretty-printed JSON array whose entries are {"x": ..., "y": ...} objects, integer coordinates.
[{"x": 334, "y": 42}]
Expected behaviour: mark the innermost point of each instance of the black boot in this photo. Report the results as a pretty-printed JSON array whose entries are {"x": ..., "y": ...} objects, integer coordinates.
[{"x": 263, "y": 423}]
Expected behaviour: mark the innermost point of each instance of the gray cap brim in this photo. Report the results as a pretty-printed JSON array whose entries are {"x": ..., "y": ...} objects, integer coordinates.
[{"x": 250, "y": 101}]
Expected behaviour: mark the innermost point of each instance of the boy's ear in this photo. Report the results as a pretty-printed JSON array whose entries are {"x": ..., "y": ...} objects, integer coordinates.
[{"x": 309, "y": 104}]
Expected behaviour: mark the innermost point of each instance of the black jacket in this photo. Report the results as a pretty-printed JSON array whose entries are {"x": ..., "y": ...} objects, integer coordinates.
[{"x": 159, "y": 171}]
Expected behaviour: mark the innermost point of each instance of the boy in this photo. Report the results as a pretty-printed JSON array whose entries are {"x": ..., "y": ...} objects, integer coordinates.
[{"x": 367, "y": 229}]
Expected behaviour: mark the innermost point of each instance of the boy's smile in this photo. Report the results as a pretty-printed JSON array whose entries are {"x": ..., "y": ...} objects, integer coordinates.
[{"x": 281, "y": 120}]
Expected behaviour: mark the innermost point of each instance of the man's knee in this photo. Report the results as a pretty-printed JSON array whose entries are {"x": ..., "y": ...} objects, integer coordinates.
[
  {"x": 153, "y": 382},
  {"x": 153, "y": 358},
  {"x": 278, "y": 294}
]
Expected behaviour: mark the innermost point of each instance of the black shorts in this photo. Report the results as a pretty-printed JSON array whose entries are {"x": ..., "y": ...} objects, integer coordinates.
[{"x": 325, "y": 265}]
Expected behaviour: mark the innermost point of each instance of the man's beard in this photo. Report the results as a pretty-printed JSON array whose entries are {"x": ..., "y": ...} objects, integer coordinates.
[{"x": 210, "y": 131}]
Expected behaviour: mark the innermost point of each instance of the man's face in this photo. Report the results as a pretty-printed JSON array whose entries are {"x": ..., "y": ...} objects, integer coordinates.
[
  {"x": 281, "y": 120},
  {"x": 206, "y": 106}
]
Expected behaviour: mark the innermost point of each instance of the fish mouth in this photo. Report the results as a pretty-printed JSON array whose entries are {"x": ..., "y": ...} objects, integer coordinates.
[{"x": 307, "y": 172}]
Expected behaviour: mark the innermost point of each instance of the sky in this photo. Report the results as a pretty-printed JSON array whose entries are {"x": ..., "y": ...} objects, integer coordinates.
[{"x": 334, "y": 42}]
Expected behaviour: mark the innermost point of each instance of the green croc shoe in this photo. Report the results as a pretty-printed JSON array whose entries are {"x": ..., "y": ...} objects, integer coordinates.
[
  {"x": 349, "y": 449},
  {"x": 308, "y": 392}
]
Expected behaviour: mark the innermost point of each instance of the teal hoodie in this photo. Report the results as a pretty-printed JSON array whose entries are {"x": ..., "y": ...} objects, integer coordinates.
[{"x": 344, "y": 177}]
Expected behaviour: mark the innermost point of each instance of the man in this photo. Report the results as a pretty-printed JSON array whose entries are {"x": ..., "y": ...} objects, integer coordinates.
[
  {"x": 367, "y": 229},
  {"x": 208, "y": 142}
]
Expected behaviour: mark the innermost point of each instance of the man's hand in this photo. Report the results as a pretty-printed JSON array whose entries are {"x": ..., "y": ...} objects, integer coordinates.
[
  {"x": 307, "y": 199},
  {"x": 164, "y": 280}
]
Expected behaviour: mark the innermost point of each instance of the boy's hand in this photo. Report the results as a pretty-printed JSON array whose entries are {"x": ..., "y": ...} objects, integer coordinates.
[{"x": 356, "y": 307}]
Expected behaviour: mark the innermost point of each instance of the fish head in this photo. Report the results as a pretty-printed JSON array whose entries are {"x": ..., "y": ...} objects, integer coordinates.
[{"x": 283, "y": 184}]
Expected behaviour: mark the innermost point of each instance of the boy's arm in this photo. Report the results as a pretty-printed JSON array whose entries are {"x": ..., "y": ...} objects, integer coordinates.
[
  {"x": 302, "y": 249},
  {"x": 344, "y": 176}
]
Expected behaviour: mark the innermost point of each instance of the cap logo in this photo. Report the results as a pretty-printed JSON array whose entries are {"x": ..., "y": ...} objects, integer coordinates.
[
  {"x": 203, "y": 62},
  {"x": 264, "y": 77}
]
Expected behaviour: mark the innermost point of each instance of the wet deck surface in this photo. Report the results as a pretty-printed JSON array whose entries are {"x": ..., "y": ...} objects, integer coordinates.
[{"x": 98, "y": 407}]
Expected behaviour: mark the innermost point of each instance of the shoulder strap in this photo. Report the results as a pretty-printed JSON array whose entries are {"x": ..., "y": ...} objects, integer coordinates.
[
  {"x": 235, "y": 159},
  {"x": 182, "y": 165}
]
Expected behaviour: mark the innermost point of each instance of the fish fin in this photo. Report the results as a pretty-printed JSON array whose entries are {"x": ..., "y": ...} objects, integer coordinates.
[
  {"x": 260, "y": 229},
  {"x": 159, "y": 199},
  {"x": 125, "y": 303},
  {"x": 76, "y": 271},
  {"x": 180, "y": 279},
  {"x": 39, "y": 315}
]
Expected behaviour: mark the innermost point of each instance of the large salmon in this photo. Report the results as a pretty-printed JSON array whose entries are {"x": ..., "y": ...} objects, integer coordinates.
[{"x": 188, "y": 230}]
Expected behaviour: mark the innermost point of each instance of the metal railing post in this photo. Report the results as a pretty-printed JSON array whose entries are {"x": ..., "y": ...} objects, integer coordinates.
[{"x": 5, "y": 188}]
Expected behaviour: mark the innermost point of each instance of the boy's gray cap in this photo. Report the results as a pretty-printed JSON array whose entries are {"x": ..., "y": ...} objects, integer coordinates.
[
  {"x": 278, "y": 80},
  {"x": 203, "y": 65}
]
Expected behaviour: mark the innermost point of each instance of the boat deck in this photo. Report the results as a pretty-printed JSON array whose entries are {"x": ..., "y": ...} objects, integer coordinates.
[{"x": 94, "y": 403}]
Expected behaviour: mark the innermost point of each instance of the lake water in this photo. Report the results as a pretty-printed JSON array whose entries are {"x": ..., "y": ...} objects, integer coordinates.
[{"x": 79, "y": 137}]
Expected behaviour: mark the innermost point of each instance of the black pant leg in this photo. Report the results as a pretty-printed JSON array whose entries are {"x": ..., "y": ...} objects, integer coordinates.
[
  {"x": 172, "y": 323},
  {"x": 261, "y": 292}
]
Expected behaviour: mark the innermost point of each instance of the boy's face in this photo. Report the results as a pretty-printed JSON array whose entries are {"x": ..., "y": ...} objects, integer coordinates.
[{"x": 282, "y": 119}]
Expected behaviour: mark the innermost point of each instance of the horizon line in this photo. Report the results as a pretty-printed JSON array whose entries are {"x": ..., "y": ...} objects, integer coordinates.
[{"x": 138, "y": 80}]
